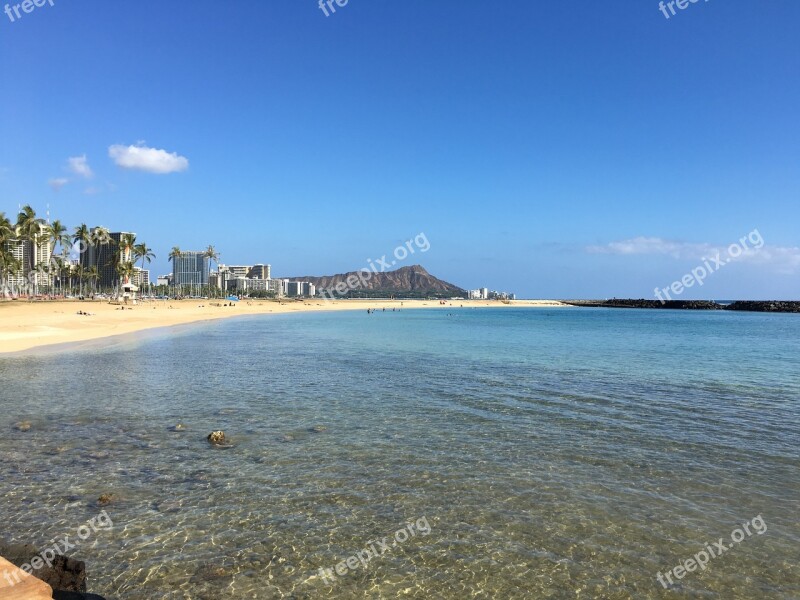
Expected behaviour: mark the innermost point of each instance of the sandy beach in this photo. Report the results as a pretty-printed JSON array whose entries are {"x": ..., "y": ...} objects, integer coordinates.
[{"x": 25, "y": 325}]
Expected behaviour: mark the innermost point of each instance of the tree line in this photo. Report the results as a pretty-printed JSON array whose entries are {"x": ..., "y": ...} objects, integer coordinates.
[{"x": 57, "y": 273}]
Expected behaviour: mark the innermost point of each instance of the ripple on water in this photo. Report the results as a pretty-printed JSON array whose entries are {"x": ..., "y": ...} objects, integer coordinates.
[{"x": 544, "y": 467}]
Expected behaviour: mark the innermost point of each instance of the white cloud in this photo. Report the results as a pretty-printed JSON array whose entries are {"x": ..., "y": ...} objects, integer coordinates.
[
  {"x": 151, "y": 160},
  {"x": 80, "y": 166},
  {"x": 785, "y": 259},
  {"x": 57, "y": 183},
  {"x": 652, "y": 245}
]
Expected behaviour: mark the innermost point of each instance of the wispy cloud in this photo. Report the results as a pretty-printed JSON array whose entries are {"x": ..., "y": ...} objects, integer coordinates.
[
  {"x": 785, "y": 259},
  {"x": 653, "y": 245},
  {"x": 140, "y": 157},
  {"x": 100, "y": 189},
  {"x": 80, "y": 166},
  {"x": 57, "y": 183}
]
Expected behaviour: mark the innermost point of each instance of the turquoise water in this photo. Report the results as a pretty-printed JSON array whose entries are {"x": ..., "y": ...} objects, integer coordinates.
[{"x": 554, "y": 453}]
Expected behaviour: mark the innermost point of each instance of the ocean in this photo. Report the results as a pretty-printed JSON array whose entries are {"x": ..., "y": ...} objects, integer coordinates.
[{"x": 523, "y": 453}]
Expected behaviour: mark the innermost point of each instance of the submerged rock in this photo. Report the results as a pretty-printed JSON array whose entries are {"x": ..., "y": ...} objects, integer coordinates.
[
  {"x": 23, "y": 426},
  {"x": 179, "y": 427},
  {"x": 318, "y": 429},
  {"x": 106, "y": 499},
  {"x": 219, "y": 439},
  {"x": 210, "y": 572},
  {"x": 168, "y": 506}
]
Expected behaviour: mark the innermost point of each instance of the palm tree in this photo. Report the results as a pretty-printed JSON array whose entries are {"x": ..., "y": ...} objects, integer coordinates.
[
  {"x": 82, "y": 237},
  {"x": 101, "y": 237},
  {"x": 28, "y": 229},
  {"x": 43, "y": 268},
  {"x": 6, "y": 228},
  {"x": 127, "y": 245},
  {"x": 57, "y": 234},
  {"x": 212, "y": 255},
  {"x": 8, "y": 264},
  {"x": 174, "y": 254},
  {"x": 65, "y": 272},
  {"x": 81, "y": 273},
  {"x": 125, "y": 270},
  {"x": 143, "y": 253},
  {"x": 92, "y": 274}
]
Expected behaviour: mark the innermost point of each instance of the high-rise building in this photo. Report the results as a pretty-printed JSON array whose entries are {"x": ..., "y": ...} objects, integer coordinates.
[
  {"x": 141, "y": 277},
  {"x": 20, "y": 251},
  {"x": 33, "y": 257},
  {"x": 260, "y": 272},
  {"x": 276, "y": 286},
  {"x": 102, "y": 256},
  {"x": 191, "y": 268},
  {"x": 234, "y": 271},
  {"x": 299, "y": 288}
]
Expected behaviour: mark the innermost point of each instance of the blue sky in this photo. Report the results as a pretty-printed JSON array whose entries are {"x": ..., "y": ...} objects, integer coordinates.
[{"x": 554, "y": 149}]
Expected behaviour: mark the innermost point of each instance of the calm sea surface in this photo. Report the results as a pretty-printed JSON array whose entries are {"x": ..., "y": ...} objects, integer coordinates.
[{"x": 554, "y": 453}]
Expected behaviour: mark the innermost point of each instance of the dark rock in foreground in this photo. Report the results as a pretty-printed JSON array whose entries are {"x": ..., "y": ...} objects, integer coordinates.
[
  {"x": 66, "y": 573},
  {"x": 59, "y": 595}
]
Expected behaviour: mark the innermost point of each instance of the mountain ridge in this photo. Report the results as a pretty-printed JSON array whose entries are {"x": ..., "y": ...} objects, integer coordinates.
[{"x": 412, "y": 282}]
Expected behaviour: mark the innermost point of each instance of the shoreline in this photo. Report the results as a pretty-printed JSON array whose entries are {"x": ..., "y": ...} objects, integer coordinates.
[{"x": 57, "y": 325}]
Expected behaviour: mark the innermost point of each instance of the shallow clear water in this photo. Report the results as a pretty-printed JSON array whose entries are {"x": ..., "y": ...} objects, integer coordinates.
[{"x": 554, "y": 453}]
